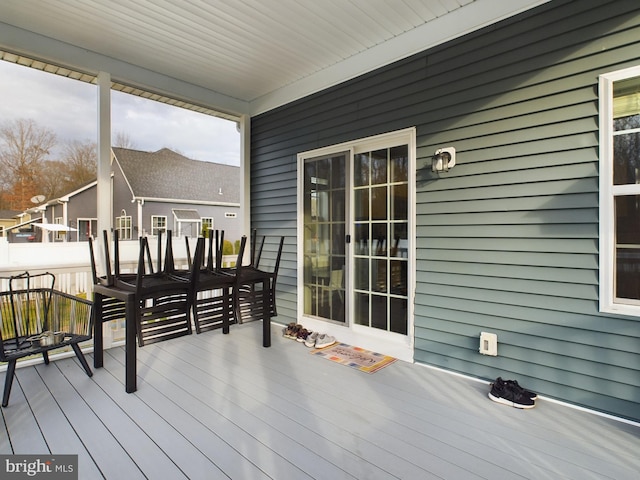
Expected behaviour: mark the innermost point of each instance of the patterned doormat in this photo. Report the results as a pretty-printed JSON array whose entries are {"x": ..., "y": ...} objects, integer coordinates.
[{"x": 354, "y": 357}]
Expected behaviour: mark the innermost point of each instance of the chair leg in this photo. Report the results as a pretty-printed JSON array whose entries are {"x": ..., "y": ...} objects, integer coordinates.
[
  {"x": 45, "y": 355},
  {"x": 11, "y": 370},
  {"x": 226, "y": 293},
  {"x": 83, "y": 361}
]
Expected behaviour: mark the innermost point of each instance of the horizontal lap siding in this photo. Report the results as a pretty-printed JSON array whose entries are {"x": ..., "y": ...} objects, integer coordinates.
[{"x": 507, "y": 241}]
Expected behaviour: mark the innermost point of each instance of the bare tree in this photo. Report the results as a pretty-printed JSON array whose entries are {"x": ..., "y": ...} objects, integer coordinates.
[
  {"x": 23, "y": 149},
  {"x": 123, "y": 140},
  {"x": 81, "y": 160},
  {"x": 54, "y": 181}
]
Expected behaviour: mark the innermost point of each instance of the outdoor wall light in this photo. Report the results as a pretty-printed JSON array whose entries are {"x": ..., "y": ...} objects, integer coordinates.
[{"x": 444, "y": 159}]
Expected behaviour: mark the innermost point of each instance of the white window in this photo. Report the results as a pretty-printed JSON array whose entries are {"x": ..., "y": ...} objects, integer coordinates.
[
  {"x": 158, "y": 224},
  {"x": 207, "y": 225},
  {"x": 60, "y": 236},
  {"x": 87, "y": 227},
  {"x": 620, "y": 192},
  {"x": 123, "y": 227}
]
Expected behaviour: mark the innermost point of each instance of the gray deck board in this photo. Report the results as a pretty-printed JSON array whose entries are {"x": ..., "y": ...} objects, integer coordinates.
[
  {"x": 220, "y": 406},
  {"x": 22, "y": 427},
  {"x": 183, "y": 452},
  {"x": 54, "y": 426},
  {"x": 110, "y": 456}
]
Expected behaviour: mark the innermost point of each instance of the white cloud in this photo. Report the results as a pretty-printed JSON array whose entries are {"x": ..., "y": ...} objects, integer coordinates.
[{"x": 69, "y": 108}]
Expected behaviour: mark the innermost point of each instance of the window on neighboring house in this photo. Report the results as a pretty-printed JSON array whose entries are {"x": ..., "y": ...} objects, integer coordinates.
[
  {"x": 620, "y": 191},
  {"x": 123, "y": 227},
  {"x": 158, "y": 224},
  {"x": 207, "y": 224},
  {"x": 87, "y": 227},
  {"x": 60, "y": 236}
]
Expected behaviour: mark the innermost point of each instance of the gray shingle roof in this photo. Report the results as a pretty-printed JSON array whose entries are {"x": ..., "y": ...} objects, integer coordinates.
[
  {"x": 168, "y": 174},
  {"x": 185, "y": 214},
  {"x": 9, "y": 214}
]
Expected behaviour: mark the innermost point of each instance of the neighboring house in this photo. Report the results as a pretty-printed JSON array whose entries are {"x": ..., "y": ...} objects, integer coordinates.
[
  {"x": 77, "y": 210},
  {"x": 507, "y": 242},
  {"x": 8, "y": 218},
  {"x": 17, "y": 226},
  {"x": 152, "y": 192}
]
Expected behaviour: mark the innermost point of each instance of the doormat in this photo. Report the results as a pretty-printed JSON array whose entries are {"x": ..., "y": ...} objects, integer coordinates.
[{"x": 354, "y": 357}]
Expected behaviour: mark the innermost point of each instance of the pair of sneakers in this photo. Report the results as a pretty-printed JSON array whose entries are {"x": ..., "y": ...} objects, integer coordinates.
[
  {"x": 297, "y": 332},
  {"x": 509, "y": 392},
  {"x": 293, "y": 331},
  {"x": 319, "y": 340}
]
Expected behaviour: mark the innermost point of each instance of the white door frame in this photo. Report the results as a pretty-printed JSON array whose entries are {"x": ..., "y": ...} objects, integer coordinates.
[{"x": 396, "y": 345}]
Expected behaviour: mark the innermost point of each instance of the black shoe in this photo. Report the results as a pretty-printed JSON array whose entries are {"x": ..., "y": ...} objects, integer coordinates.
[
  {"x": 524, "y": 391},
  {"x": 508, "y": 394}
]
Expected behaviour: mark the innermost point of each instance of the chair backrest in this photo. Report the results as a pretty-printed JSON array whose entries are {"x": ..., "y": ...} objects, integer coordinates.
[
  {"x": 107, "y": 257},
  {"x": 188, "y": 248},
  {"x": 214, "y": 256},
  {"x": 92, "y": 254},
  {"x": 256, "y": 252},
  {"x": 24, "y": 309},
  {"x": 219, "y": 249}
]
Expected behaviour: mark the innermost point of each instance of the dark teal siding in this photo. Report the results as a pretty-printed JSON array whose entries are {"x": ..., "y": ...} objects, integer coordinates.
[{"x": 507, "y": 241}]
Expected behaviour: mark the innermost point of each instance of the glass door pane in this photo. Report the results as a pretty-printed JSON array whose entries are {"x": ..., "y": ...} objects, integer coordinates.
[
  {"x": 324, "y": 236},
  {"x": 381, "y": 217}
]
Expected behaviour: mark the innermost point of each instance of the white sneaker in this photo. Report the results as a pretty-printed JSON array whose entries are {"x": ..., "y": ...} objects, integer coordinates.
[
  {"x": 324, "y": 340},
  {"x": 310, "y": 341}
]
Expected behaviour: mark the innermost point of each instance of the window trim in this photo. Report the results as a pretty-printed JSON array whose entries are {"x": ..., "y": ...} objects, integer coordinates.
[
  {"x": 154, "y": 227},
  {"x": 60, "y": 236},
  {"x": 608, "y": 191},
  {"x": 128, "y": 229}
]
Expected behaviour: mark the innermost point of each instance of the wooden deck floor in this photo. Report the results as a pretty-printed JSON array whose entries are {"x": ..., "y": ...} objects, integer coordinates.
[{"x": 211, "y": 406}]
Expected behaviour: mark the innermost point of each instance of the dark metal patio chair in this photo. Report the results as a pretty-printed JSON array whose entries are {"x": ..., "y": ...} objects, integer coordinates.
[
  {"x": 36, "y": 319},
  {"x": 215, "y": 288},
  {"x": 162, "y": 296},
  {"x": 164, "y": 300},
  {"x": 248, "y": 301}
]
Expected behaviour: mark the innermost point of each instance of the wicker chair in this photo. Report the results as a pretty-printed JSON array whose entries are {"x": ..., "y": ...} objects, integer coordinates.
[{"x": 36, "y": 319}]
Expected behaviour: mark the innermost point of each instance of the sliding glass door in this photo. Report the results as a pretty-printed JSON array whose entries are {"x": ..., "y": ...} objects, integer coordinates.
[{"x": 356, "y": 235}]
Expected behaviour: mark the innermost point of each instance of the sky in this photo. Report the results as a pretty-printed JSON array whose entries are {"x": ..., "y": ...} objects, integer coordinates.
[{"x": 69, "y": 109}]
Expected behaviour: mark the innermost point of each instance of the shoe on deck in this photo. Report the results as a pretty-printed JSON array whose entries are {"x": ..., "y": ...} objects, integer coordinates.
[
  {"x": 524, "y": 391},
  {"x": 310, "y": 341},
  {"x": 324, "y": 340},
  {"x": 508, "y": 394}
]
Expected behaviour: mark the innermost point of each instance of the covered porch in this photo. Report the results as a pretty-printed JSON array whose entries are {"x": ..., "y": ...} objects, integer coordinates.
[{"x": 221, "y": 406}]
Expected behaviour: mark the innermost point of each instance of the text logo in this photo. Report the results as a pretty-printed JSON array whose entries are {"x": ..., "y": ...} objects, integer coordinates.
[{"x": 52, "y": 467}]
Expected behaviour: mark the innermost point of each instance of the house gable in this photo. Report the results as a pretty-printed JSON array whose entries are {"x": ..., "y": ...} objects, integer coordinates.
[{"x": 166, "y": 174}]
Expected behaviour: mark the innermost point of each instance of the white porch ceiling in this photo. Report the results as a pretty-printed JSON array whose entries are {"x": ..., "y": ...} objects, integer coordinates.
[{"x": 257, "y": 53}]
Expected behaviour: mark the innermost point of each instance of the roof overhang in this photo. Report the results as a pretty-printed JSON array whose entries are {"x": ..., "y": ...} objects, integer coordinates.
[{"x": 238, "y": 58}]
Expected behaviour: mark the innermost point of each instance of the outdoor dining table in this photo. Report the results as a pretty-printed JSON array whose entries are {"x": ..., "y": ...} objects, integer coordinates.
[
  {"x": 101, "y": 294},
  {"x": 116, "y": 300}
]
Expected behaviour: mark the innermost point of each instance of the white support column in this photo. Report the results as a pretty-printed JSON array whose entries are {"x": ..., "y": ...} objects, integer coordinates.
[
  {"x": 245, "y": 180},
  {"x": 104, "y": 213},
  {"x": 65, "y": 220},
  {"x": 140, "y": 202}
]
